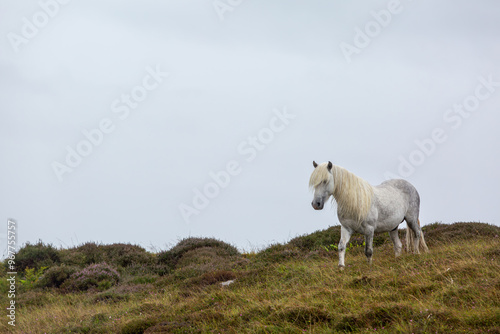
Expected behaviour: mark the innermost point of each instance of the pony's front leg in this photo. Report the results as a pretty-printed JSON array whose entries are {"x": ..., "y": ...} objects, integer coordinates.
[
  {"x": 345, "y": 235},
  {"x": 369, "y": 245}
]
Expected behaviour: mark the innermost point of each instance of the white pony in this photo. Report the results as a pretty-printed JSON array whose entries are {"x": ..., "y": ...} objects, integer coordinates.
[{"x": 366, "y": 209}]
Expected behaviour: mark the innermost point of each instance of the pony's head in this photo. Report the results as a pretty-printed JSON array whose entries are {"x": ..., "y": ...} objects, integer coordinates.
[{"x": 322, "y": 182}]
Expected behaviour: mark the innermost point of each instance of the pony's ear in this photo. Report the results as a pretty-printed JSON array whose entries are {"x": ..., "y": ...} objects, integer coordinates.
[
  {"x": 330, "y": 165},
  {"x": 315, "y": 164}
]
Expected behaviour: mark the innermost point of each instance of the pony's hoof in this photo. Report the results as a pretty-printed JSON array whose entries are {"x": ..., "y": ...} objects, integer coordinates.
[{"x": 341, "y": 268}]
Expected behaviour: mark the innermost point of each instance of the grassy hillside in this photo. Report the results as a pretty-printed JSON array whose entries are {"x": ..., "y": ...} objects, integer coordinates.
[{"x": 286, "y": 288}]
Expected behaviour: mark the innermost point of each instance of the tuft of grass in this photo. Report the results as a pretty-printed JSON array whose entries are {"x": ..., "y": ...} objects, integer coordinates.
[
  {"x": 110, "y": 297},
  {"x": 303, "y": 316},
  {"x": 329, "y": 238},
  {"x": 99, "y": 318},
  {"x": 138, "y": 326},
  {"x": 317, "y": 240},
  {"x": 34, "y": 299},
  {"x": 212, "y": 277},
  {"x": 173, "y": 327},
  {"x": 278, "y": 253}
]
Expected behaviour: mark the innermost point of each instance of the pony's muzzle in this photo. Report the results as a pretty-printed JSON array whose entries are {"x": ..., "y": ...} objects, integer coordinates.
[{"x": 317, "y": 205}]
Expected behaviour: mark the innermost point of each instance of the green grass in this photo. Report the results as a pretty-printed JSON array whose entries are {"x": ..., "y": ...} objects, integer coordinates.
[{"x": 290, "y": 288}]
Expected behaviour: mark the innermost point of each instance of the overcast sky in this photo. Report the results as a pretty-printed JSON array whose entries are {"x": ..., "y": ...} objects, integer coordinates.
[{"x": 146, "y": 122}]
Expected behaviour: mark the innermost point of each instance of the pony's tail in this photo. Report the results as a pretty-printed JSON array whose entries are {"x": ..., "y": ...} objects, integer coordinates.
[
  {"x": 410, "y": 240},
  {"x": 422, "y": 239}
]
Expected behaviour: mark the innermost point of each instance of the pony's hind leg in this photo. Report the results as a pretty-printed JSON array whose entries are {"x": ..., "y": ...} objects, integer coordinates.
[
  {"x": 345, "y": 235},
  {"x": 369, "y": 245},
  {"x": 413, "y": 235},
  {"x": 394, "y": 234}
]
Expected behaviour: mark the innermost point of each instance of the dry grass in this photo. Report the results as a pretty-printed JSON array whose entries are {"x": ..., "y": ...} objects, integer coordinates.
[{"x": 453, "y": 289}]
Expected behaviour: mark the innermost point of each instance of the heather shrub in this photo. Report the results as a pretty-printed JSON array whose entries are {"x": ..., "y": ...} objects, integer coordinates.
[
  {"x": 203, "y": 260},
  {"x": 83, "y": 255},
  {"x": 438, "y": 232},
  {"x": 316, "y": 239},
  {"x": 101, "y": 276},
  {"x": 121, "y": 255},
  {"x": 205, "y": 256},
  {"x": 126, "y": 255},
  {"x": 172, "y": 256},
  {"x": 278, "y": 253},
  {"x": 35, "y": 256},
  {"x": 54, "y": 277},
  {"x": 162, "y": 269}
]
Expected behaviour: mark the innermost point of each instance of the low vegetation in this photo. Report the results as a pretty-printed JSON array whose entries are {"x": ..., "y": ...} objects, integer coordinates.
[{"x": 286, "y": 288}]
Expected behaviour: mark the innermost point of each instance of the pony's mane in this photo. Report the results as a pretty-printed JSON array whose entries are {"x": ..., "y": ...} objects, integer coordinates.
[{"x": 352, "y": 194}]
